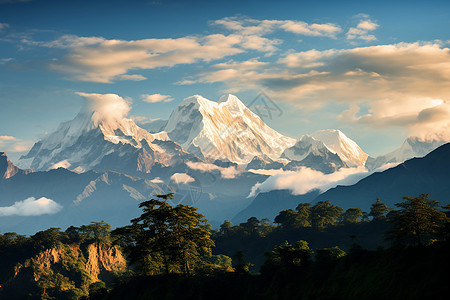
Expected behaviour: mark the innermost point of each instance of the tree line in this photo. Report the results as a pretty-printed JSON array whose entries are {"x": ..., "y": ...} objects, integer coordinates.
[{"x": 168, "y": 240}]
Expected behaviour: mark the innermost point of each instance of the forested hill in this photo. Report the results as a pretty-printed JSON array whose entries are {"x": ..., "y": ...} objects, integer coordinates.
[{"x": 316, "y": 251}]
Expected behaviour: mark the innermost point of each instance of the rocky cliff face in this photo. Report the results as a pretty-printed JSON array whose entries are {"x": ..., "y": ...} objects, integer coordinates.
[
  {"x": 66, "y": 270},
  {"x": 103, "y": 259},
  {"x": 8, "y": 169}
]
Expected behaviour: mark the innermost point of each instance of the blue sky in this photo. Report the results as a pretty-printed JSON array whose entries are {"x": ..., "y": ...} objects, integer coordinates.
[{"x": 379, "y": 71}]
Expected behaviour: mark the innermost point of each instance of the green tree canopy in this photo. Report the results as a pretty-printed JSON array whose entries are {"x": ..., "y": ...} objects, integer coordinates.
[
  {"x": 378, "y": 210},
  {"x": 303, "y": 214},
  {"x": 417, "y": 217},
  {"x": 287, "y": 219},
  {"x": 47, "y": 239},
  {"x": 287, "y": 256},
  {"x": 352, "y": 215},
  {"x": 225, "y": 228},
  {"x": 325, "y": 214},
  {"x": 172, "y": 236}
]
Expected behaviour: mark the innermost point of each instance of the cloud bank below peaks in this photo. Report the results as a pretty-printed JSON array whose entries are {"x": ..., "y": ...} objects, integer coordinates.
[
  {"x": 230, "y": 172},
  {"x": 306, "y": 180}
]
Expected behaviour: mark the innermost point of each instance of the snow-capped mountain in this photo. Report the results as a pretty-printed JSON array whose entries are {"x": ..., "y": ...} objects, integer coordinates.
[
  {"x": 225, "y": 130},
  {"x": 312, "y": 153},
  {"x": 339, "y": 143},
  {"x": 411, "y": 147},
  {"x": 101, "y": 141}
]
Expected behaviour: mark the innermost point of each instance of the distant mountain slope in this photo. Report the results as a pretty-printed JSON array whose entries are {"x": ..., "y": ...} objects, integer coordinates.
[
  {"x": 225, "y": 130},
  {"x": 430, "y": 174},
  {"x": 85, "y": 197},
  {"x": 411, "y": 147},
  {"x": 114, "y": 197}
]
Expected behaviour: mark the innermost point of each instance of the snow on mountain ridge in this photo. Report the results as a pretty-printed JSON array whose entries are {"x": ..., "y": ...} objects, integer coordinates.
[
  {"x": 84, "y": 142},
  {"x": 411, "y": 147},
  {"x": 224, "y": 130},
  {"x": 339, "y": 143},
  {"x": 303, "y": 147}
]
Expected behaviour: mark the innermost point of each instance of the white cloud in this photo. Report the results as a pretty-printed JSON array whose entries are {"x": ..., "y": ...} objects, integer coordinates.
[
  {"x": 144, "y": 120},
  {"x": 404, "y": 84},
  {"x": 226, "y": 173},
  {"x": 72, "y": 41},
  {"x": 254, "y": 190},
  {"x": 97, "y": 59},
  {"x": 181, "y": 178},
  {"x": 362, "y": 30},
  {"x": 270, "y": 172},
  {"x": 7, "y": 138},
  {"x": 15, "y": 145},
  {"x": 62, "y": 164},
  {"x": 154, "y": 98},
  {"x": 6, "y": 60},
  {"x": 134, "y": 77},
  {"x": 253, "y": 27},
  {"x": 303, "y": 28},
  {"x": 31, "y": 207},
  {"x": 305, "y": 180},
  {"x": 157, "y": 180},
  {"x": 105, "y": 106}
]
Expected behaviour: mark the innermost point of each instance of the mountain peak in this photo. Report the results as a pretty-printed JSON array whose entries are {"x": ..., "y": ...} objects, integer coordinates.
[
  {"x": 411, "y": 147},
  {"x": 224, "y": 130},
  {"x": 82, "y": 143},
  {"x": 7, "y": 168},
  {"x": 343, "y": 146}
]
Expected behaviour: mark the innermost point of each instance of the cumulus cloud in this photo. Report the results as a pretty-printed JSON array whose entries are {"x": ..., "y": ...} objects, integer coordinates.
[
  {"x": 248, "y": 26},
  {"x": 105, "y": 106},
  {"x": 62, "y": 164},
  {"x": 230, "y": 172},
  {"x": 31, "y": 207},
  {"x": 7, "y": 138},
  {"x": 404, "y": 84},
  {"x": 303, "y": 28},
  {"x": 154, "y": 98},
  {"x": 157, "y": 180},
  {"x": 134, "y": 77},
  {"x": 181, "y": 178},
  {"x": 144, "y": 120},
  {"x": 305, "y": 180},
  {"x": 13, "y": 144},
  {"x": 97, "y": 59},
  {"x": 363, "y": 30}
]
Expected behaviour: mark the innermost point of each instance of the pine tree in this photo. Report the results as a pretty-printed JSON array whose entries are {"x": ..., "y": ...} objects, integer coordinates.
[
  {"x": 171, "y": 237},
  {"x": 418, "y": 217},
  {"x": 378, "y": 210}
]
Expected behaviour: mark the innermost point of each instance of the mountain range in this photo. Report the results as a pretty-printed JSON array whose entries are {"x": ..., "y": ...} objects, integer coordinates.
[{"x": 100, "y": 165}]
